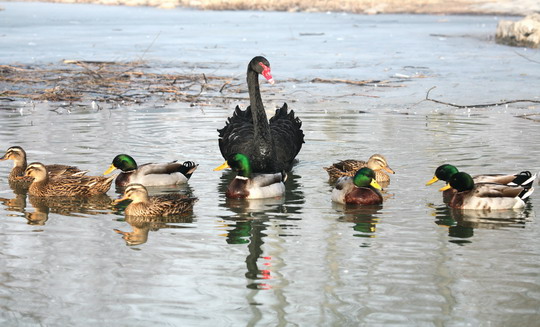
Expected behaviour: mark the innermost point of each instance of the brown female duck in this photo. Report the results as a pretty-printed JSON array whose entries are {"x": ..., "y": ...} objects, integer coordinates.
[
  {"x": 376, "y": 162},
  {"x": 45, "y": 185},
  {"x": 154, "y": 206}
]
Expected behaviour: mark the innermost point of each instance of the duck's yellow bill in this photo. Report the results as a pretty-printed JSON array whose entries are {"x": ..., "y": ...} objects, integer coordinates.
[
  {"x": 110, "y": 170},
  {"x": 375, "y": 184},
  {"x": 223, "y": 166},
  {"x": 446, "y": 187},
  {"x": 433, "y": 180}
]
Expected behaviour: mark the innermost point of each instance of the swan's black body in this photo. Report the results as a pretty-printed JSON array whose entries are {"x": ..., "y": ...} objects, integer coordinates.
[{"x": 271, "y": 146}]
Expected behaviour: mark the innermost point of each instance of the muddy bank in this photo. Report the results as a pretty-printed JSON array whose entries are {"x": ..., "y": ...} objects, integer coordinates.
[{"x": 470, "y": 7}]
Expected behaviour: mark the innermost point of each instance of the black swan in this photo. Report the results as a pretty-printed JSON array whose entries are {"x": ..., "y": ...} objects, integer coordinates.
[{"x": 271, "y": 146}]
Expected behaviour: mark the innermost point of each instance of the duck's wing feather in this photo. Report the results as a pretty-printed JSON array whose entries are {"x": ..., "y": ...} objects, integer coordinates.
[
  {"x": 166, "y": 168},
  {"x": 496, "y": 190}
]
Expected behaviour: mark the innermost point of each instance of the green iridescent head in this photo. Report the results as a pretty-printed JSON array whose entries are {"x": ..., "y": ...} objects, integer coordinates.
[
  {"x": 443, "y": 173},
  {"x": 123, "y": 162},
  {"x": 240, "y": 163},
  {"x": 365, "y": 177},
  {"x": 462, "y": 182}
]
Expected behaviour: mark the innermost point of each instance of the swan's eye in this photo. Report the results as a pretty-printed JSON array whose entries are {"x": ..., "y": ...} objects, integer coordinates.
[{"x": 266, "y": 73}]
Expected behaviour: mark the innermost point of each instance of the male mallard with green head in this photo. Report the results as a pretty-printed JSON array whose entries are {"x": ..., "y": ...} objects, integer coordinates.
[
  {"x": 249, "y": 185},
  {"x": 150, "y": 174},
  {"x": 482, "y": 196},
  {"x": 445, "y": 172},
  {"x": 45, "y": 185},
  {"x": 362, "y": 188},
  {"x": 376, "y": 162},
  {"x": 143, "y": 205}
]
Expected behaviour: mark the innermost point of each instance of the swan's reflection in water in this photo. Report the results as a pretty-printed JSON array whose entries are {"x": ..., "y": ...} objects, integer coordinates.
[
  {"x": 251, "y": 221},
  {"x": 462, "y": 223}
]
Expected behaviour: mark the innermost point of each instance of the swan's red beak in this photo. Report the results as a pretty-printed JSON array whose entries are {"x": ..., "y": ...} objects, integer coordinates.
[{"x": 266, "y": 73}]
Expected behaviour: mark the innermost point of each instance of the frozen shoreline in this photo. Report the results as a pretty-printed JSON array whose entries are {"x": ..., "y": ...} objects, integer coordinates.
[{"x": 436, "y": 7}]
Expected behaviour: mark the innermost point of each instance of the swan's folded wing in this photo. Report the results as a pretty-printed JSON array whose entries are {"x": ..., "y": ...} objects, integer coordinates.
[
  {"x": 237, "y": 135},
  {"x": 287, "y": 133}
]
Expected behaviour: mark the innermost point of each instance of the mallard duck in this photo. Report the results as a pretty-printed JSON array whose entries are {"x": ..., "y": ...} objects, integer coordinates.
[
  {"x": 376, "y": 162},
  {"x": 482, "y": 196},
  {"x": 154, "y": 206},
  {"x": 249, "y": 185},
  {"x": 45, "y": 185},
  {"x": 18, "y": 155},
  {"x": 271, "y": 146},
  {"x": 150, "y": 174},
  {"x": 360, "y": 189},
  {"x": 446, "y": 171}
]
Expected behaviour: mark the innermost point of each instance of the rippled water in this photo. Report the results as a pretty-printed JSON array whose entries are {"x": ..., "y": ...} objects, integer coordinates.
[{"x": 301, "y": 260}]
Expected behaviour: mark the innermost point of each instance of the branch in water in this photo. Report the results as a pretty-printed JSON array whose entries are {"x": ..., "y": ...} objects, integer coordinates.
[{"x": 468, "y": 106}]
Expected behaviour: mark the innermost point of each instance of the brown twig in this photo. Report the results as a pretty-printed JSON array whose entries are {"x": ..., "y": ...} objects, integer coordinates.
[{"x": 468, "y": 106}]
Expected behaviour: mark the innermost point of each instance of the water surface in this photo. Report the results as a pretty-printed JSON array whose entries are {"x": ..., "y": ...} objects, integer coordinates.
[{"x": 300, "y": 260}]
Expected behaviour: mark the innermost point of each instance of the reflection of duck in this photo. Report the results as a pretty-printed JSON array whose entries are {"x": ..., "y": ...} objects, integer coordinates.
[
  {"x": 44, "y": 185},
  {"x": 249, "y": 185},
  {"x": 150, "y": 174},
  {"x": 16, "y": 176},
  {"x": 143, "y": 225},
  {"x": 360, "y": 189},
  {"x": 364, "y": 218},
  {"x": 446, "y": 171},
  {"x": 483, "y": 196},
  {"x": 271, "y": 146},
  {"x": 376, "y": 162},
  {"x": 155, "y": 206},
  {"x": 461, "y": 223}
]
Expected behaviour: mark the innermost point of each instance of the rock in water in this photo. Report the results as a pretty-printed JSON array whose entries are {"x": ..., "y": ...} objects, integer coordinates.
[{"x": 523, "y": 33}]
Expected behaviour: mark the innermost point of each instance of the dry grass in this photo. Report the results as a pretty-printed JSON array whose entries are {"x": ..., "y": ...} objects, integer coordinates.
[
  {"x": 75, "y": 81},
  {"x": 352, "y": 6}
]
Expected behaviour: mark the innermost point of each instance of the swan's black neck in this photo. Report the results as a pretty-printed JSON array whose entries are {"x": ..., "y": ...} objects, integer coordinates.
[{"x": 260, "y": 121}]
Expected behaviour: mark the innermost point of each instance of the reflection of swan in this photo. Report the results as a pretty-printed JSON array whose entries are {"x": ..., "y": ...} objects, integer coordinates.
[{"x": 143, "y": 225}]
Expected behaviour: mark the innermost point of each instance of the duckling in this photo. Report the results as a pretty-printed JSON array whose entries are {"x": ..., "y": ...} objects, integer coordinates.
[
  {"x": 143, "y": 205},
  {"x": 249, "y": 185},
  {"x": 45, "y": 185},
  {"x": 360, "y": 189},
  {"x": 376, "y": 162},
  {"x": 18, "y": 155},
  {"x": 482, "y": 196},
  {"x": 150, "y": 174},
  {"x": 446, "y": 171}
]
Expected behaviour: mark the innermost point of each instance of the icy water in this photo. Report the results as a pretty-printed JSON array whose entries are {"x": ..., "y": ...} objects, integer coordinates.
[{"x": 300, "y": 260}]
